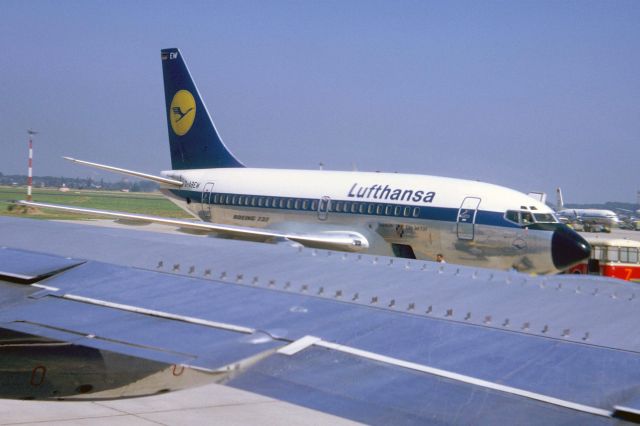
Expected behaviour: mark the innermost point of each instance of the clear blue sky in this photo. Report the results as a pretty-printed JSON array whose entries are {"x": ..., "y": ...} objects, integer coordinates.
[{"x": 526, "y": 94}]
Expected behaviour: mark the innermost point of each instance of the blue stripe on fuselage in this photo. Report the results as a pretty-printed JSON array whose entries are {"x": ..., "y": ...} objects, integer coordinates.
[{"x": 443, "y": 214}]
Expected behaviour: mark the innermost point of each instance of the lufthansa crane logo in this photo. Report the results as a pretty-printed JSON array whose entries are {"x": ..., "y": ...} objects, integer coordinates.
[{"x": 182, "y": 112}]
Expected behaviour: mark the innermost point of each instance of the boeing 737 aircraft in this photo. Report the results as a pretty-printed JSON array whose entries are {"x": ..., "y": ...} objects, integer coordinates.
[{"x": 411, "y": 216}]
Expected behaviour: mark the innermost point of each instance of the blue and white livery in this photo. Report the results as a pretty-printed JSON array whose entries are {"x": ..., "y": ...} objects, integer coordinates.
[{"x": 403, "y": 215}]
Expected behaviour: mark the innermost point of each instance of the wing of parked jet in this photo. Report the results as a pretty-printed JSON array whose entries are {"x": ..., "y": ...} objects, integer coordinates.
[
  {"x": 331, "y": 240},
  {"x": 93, "y": 313}
]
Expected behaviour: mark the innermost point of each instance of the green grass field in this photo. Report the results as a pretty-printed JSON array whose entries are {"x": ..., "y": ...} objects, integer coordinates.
[{"x": 134, "y": 202}]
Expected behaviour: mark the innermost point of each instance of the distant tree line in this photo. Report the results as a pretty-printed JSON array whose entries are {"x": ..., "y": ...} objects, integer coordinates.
[{"x": 79, "y": 183}]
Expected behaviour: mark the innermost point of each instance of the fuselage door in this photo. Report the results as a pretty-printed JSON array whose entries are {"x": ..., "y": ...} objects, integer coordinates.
[
  {"x": 323, "y": 208},
  {"x": 466, "y": 221},
  {"x": 205, "y": 202}
]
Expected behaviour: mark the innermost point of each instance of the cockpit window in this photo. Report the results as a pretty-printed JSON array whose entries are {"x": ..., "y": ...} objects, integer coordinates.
[
  {"x": 545, "y": 217},
  {"x": 525, "y": 218},
  {"x": 513, "y": 216}
]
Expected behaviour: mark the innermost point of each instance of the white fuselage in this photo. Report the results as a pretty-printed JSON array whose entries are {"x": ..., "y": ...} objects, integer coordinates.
[
  {"x": 403, "y": 215},
  {"x": 592, "y": 216}
]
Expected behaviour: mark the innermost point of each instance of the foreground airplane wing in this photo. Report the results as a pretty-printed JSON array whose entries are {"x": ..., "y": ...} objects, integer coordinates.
[
  {"x": 331, "y": 240},
  {"x": 90, "y": 312}
]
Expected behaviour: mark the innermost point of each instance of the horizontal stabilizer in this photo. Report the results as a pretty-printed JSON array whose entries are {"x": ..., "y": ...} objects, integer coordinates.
[
  {"x": 330, "y": 240},
  {"x": 140, "y": 175}
]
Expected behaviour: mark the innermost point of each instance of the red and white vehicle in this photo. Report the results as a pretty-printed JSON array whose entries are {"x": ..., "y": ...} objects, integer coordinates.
[{"x": 617, "y": 258}]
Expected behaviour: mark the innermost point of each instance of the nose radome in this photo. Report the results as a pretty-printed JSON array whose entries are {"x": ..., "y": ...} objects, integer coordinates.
[{"x": 568, "y": 248}]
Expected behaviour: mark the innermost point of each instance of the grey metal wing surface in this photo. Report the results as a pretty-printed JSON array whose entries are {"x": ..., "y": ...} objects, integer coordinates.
[{"x": 373, "y": 339}]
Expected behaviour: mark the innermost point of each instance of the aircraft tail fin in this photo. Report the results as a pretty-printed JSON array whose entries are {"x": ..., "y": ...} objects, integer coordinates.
[
  {"x": 559, "y": 200},
  {"x": 193, "y": 138}
]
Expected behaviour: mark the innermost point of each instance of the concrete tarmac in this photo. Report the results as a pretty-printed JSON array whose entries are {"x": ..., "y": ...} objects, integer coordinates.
[{"x": 615, "y": 233}]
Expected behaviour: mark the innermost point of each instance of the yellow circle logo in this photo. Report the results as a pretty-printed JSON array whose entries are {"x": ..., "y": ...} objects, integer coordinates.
[{"x": 182, "y": 112}]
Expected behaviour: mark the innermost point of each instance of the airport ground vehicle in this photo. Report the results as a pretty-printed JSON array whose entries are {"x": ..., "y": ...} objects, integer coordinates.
[
  {"x": 587, "y": 227},
  {"x": 612, "y": 257}
]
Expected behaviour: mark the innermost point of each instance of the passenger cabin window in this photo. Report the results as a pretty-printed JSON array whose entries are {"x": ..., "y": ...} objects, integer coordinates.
[
  {"x": 624, "y": 254},
  {"x": 615, "y": 254},
  {"x": 597, "y": 253}
]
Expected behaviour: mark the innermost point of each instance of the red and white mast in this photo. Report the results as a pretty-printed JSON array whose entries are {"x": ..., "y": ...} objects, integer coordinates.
[{"x": 30, "y": 174}]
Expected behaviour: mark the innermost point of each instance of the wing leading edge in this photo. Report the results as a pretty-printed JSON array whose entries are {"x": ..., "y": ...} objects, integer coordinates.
[{"x": 329, "y": 240}]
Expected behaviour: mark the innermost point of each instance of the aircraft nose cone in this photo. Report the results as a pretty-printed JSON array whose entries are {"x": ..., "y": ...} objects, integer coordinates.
[{"x": 568, "y": 248}]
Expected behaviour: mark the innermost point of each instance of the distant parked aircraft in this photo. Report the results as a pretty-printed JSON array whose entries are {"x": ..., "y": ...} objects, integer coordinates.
[{"x": 586, "y": 216}]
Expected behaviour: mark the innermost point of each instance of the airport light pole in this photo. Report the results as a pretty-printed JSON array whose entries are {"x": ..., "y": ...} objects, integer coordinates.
[{"x": 30, "y": 174}]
